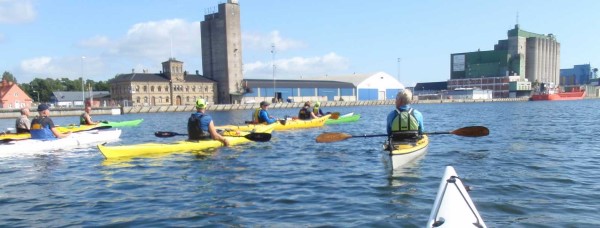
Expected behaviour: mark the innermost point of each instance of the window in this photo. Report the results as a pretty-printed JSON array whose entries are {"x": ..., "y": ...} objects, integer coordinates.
[
  {"x": 167, "y": 98},
  {"x": 137, "y": 88},
  {"x": 137, "y": 99},
  {"x": 159, "y": 88},
  {"x": 16, "y": 94},
  {"x": 167, "y": 90},
  {"x": 151, "y": 88},
  {"x": 145, "y": 89},
  {"x": 145, "y": 99},
  {"x": 187, "y": 99}
]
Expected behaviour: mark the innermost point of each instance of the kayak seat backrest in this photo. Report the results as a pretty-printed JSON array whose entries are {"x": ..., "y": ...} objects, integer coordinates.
[{"x": 405, "y": 135}]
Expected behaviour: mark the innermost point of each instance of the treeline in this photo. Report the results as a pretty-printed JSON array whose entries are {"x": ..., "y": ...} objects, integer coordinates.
[{"x": 45, "y": 87}]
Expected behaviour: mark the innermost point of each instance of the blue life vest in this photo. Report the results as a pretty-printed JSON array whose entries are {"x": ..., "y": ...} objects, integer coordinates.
[{"x": 40, "y": 129}]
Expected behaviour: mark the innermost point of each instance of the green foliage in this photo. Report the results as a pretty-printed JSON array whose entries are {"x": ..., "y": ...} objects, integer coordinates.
[
  {"x": 45, "y": 87},
  {"x": 8, "y": 77}
]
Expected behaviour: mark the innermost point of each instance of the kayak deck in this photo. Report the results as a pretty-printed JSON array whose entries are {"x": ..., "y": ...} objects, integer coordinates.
[
  {"x": 233, "y": 137},
  {"x": 289, "y": 124},
  {"x": 347, "y": 118},
  {"x": 453, "y": 206},
  {"x": 407, "y": 152}
]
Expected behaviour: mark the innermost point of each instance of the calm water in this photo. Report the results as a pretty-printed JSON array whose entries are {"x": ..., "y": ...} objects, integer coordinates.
[{"x": 537, "y": 168}]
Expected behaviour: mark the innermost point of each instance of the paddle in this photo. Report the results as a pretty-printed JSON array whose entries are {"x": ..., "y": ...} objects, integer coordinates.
[
  {"x": 334, "y": 115},
  {"x": 472, "y": 131},
  {"x": 254, "y": 136}
]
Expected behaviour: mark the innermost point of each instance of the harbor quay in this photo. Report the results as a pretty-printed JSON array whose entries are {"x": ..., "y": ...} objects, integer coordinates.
[{"x": 14, "y": 113}]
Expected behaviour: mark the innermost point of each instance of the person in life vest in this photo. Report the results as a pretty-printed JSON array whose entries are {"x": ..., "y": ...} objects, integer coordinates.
[
  {"x": 85, "y": 118},
  {"x": 23, "y": 124},
  {"x": 404, "y": 123},
  {"x": 316, "y": 110},
  {"x": 42, "y": 127},
  {"x": 305, "y": 113},
  {"x": 261, "y": 115},
  {"x": 201, "y": 126}
]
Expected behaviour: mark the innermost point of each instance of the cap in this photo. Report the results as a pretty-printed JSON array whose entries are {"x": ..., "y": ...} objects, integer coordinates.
[
  {"x": 263, "y": 103},
  {"x": 43, "y": 107},
  {"x": 317, "y": 104},
  {"x": 200, "y": 103}
]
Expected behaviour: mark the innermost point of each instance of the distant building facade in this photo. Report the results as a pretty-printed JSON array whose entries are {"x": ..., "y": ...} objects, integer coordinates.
[
  {"x": 222, "y": 51},
  {"x": 12, "y": 96},
  {"x": 578, "y": 75},
  {"x": 172, "y": 86},
  {"x": 69, "y": 99},
  {"x": 535, "y": 58},
  {"x": 355, "y": 87}
]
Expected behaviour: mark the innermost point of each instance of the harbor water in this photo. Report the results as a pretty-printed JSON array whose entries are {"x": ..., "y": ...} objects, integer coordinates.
[{"x": 537, "y": 168}]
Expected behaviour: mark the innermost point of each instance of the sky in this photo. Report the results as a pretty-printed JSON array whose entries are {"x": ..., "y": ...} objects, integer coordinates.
[{"x": 411, "y": 40}]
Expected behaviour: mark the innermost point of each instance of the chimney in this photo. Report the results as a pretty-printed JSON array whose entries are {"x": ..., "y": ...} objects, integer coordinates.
[
  {"x": 133, "y": 70},
  {"x": 197, "y": 72}
]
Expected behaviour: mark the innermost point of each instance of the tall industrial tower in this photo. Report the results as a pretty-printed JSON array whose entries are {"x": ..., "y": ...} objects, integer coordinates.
[{"x": 222, "y": 51}]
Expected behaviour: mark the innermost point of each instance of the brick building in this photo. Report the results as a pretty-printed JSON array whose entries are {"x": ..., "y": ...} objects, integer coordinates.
[{"x": 172, "y": 86}]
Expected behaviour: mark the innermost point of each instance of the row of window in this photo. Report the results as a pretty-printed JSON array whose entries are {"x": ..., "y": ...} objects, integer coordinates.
[
  {"x": 166, "y": 88},
  {"x": 154, "y": 100}
]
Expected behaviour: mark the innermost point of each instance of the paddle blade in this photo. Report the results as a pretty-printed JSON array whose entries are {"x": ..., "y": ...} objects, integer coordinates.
[
  {"x": 328, "y": 137},
  {"x": 472, "y": 131},
  {"x": 334, "y": 115},
  {"x": 258, "y": 136},
  {"x": 166, "y": 134}
]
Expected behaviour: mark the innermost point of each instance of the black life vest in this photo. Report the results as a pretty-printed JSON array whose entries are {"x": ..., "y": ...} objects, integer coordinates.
[
  {"x": 304, "y": 113},
  {"x": 195, "y": 132}
]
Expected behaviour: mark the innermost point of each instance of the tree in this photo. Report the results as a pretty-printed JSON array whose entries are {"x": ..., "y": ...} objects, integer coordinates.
[{"x": 9, "y": 77}]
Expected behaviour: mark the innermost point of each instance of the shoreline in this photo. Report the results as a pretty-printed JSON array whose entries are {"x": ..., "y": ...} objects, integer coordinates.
[{"x": 14, "y": 113}]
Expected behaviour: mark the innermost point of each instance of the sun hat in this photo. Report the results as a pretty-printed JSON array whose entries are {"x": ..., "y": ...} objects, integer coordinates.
[
  {"x": 317, "y": 104},
  {"x": 200, "y": 103},
  {"x": 43, "y": 107},
  {"x": 263, "y": 103}
]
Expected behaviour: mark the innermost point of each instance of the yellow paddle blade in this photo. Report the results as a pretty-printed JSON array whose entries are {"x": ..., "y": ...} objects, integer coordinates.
[{"x": 328, "y": 137}]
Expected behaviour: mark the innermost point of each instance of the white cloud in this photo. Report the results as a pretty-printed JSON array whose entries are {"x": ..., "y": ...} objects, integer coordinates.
[
  {"x": 95, "y": 42},
  {"x": 69, "y": 67},
  {"x": 153, "y": 40},
  {"x": 329, "y": 64},
  {"x": 264, "y": 42},
  {"x": 16, "y": 11}
]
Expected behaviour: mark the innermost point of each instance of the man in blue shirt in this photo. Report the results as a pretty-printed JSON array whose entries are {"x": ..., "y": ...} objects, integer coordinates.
[
  {"x": 261, "y": 115},
  {"x": 42, "y": 127},
  {"x": 404, "y": 122},
  {"x": 201, "y": 126}
]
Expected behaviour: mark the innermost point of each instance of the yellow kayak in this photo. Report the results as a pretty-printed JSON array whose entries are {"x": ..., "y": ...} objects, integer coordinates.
[
  {"x": 407, "y": 152},
  {"x": 234, "y": 138},
  {"x": 289, "y": 124}
]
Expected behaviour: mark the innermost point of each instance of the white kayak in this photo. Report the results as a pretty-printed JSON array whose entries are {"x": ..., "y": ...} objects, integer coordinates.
[
  {"x": 453, "y": 206},
  {"x": 75, "y": 140}
]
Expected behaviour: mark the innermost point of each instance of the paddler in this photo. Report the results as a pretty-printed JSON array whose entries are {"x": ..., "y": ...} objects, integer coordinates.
[
  {"x": 317, "y": 111},
  {"x": 201, "y": 126},
  {"x": 404, "y": 123},
  {"x": 23, "y": 124},
  {"x": 42, "y": 127},
  {"x": 261, "y": 115},
  {"x": 85, "y": 118},
  {"x": 305, "y": 113}
]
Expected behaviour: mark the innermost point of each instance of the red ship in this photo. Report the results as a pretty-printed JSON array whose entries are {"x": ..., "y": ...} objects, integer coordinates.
[{"x": 550, "y": 94}]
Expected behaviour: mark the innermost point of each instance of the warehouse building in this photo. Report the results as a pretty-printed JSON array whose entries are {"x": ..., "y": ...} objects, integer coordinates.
[{"x": 355, "y": 87}]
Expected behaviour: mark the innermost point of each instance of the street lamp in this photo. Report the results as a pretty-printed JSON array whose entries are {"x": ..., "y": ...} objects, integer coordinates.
[
  {"x": 38, "y": 95},
  {"x": 273, "y": 60},
  {"x": 82, "y": 82}
]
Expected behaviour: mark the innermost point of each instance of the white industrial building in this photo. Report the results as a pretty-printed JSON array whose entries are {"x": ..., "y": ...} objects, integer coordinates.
[{"x": 355, "y": 87}]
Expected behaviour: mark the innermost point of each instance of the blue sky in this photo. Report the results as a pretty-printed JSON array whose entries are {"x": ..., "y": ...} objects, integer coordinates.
[{"x": 313, "y": 38}]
